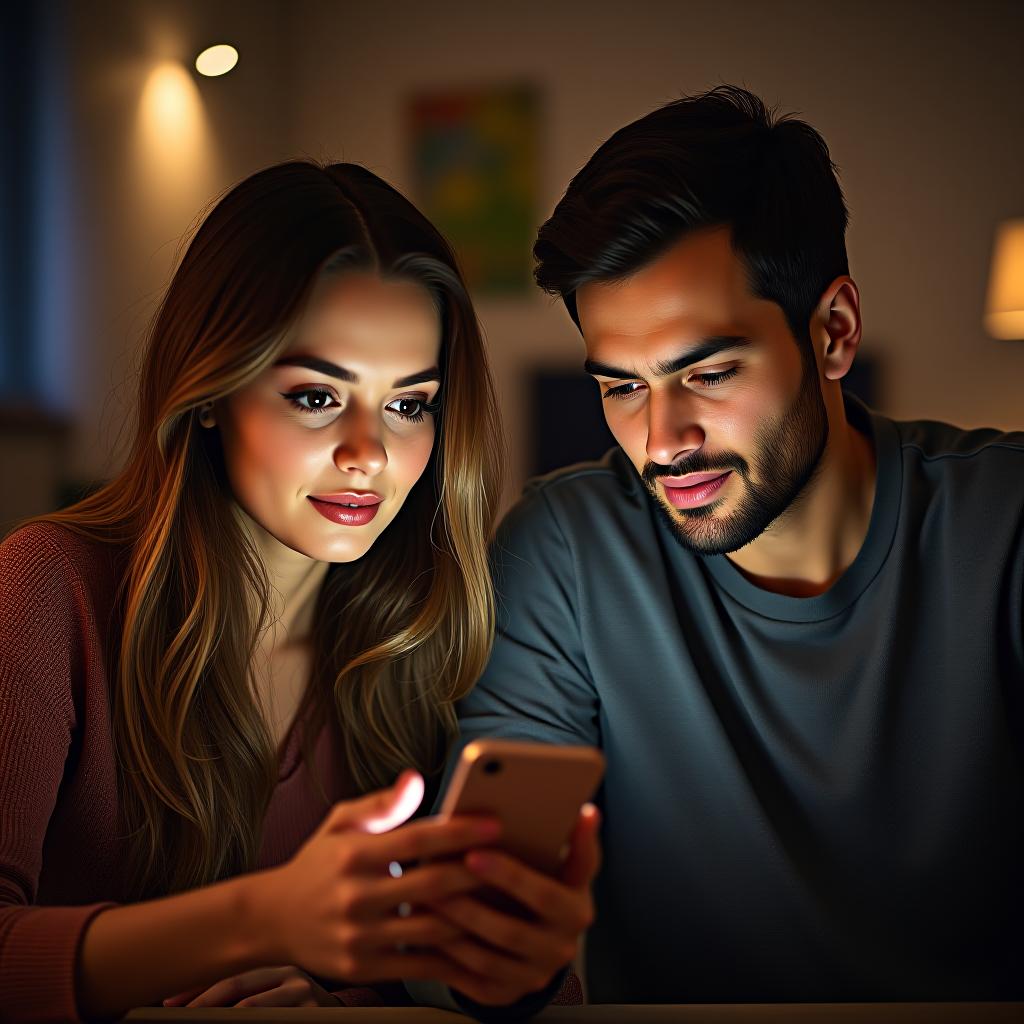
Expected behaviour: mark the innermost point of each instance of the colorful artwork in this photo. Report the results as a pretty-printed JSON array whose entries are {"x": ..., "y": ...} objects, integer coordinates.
[{"x": 475, "y": 155}]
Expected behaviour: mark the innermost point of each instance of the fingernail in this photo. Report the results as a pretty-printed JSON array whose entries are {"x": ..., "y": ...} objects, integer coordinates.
[
  {"x": 480, "y": 861},
  {"x": 488, "y": 829}
]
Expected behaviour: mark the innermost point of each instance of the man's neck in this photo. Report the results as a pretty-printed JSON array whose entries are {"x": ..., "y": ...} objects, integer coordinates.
[{"x": 813, "y": 543}]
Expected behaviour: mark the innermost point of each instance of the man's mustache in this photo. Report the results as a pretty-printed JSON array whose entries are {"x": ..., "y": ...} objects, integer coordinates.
[{"x": 698, "y": 462}]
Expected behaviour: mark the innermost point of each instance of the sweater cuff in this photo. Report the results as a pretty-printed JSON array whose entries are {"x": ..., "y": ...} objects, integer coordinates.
[{"x": 40, "y": 962}]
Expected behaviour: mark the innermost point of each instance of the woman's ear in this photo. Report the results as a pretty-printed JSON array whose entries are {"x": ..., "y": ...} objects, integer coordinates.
[
  {"x": 838, "y": 325},
  {"x": 206, "y": 416}
]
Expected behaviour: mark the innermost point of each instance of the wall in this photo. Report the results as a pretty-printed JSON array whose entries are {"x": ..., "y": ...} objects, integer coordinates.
[
  {"x": 920, "y": 104},
  {"x": 139, "y": 181}
]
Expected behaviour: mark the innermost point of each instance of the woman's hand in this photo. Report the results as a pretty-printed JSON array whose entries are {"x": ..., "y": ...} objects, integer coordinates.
[
  {"x": 518, "y": 957},
  {"x": 342, "y": 909},
  {"x": 267, "y": 986}
]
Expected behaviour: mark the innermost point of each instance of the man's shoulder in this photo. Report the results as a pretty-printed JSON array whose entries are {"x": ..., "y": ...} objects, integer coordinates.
[
  {"x": 573, "y": 507},
  {"x": 598, "y": 485},
  {"x": 986, "y": 456},
  {"x": 933, "y": 439},
  {"x": 610, "y": 472}
]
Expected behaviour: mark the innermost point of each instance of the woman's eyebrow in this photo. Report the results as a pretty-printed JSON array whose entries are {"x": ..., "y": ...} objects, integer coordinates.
[{"x": 330, "y": 369}]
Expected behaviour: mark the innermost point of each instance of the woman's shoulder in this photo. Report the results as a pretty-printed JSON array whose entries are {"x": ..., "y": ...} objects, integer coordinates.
[
  {"x": 43, "y": 544},
  {"x": 45, "y": 564}
]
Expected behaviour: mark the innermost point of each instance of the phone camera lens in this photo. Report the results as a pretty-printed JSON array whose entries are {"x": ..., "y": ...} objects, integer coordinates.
[{"x": 492, "y": 767}]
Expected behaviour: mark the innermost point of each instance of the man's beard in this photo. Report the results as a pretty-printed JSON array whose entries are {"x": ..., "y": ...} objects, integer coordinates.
[{"x": 787, "y": 454}]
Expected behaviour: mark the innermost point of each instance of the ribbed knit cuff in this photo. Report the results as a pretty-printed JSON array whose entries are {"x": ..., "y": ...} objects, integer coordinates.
[{"x": 40, "y": 962}]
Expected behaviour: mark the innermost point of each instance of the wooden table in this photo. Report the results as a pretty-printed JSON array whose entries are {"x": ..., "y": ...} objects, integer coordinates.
[{"x": 738, "y": 1013}]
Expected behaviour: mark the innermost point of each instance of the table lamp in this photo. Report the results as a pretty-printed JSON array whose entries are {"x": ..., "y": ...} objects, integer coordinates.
[{"x": 1004, "y": 310}]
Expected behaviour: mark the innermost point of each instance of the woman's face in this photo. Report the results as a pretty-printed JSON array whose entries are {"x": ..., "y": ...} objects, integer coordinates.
[{"x": 324, "y": 446}]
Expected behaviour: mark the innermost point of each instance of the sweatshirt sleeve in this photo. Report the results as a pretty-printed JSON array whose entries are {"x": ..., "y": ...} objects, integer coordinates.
[
  {"x": 537, "y": 685},
  {"x": 43, "y": 628}
]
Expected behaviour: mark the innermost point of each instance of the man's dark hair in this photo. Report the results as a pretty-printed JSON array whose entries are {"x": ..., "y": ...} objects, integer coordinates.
[{"x": 719, "y": 158}]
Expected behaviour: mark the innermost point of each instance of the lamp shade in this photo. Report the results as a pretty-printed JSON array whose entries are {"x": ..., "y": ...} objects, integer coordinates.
[{"x": 1004, "y": 310}]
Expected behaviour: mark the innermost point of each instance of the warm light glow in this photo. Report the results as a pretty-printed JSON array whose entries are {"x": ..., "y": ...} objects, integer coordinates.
[
  {"x": 170, "y": 111},
  {"x": 1004, "y": 310},
  {"x": 175, "y": 165},
  {"x": 216, "y": 60},
  {"x": 409, "y": 798}
]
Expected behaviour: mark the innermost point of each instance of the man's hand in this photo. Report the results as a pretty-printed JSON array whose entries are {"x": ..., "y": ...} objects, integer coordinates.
[{"x": 516, "y": 957}]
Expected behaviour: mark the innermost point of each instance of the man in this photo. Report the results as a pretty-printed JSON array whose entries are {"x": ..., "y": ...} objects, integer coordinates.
[{"x": 795, "y": 627}]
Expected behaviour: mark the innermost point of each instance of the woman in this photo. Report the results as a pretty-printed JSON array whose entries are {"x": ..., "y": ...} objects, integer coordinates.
[{"x": 270, "y": 610}]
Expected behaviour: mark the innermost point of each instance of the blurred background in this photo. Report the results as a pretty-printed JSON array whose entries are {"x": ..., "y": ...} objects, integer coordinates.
[{"x": 113, "y": 145}]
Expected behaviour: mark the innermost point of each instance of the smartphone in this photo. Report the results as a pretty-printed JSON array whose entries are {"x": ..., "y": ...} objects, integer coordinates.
[{"x": 535, "y": 790}]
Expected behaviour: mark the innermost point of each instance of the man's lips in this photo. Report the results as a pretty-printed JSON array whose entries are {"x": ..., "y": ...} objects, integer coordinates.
[
  {"x": 694, "y": 489},
  {"x": 691, "y": 479}
]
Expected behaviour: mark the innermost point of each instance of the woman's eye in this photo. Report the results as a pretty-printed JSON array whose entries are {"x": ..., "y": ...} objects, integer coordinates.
[
  {"x": 623, "y": 390},
  {"x": 412, "y": 409},
  {"x": 312, "y": 400},
  {"x": 709, "y": 380}
]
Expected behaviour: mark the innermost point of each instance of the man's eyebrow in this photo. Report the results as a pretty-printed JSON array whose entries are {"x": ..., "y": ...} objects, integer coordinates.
[
  {"x": 703, "y": 350},
  {"x": 341, "y": 373}
]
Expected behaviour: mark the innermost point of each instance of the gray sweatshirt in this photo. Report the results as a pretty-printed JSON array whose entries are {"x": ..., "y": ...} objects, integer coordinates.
[{"x": 807, "y": 799}]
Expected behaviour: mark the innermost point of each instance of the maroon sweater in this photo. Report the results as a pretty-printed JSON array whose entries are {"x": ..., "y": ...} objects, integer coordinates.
[{"x": 61, "y": 856}]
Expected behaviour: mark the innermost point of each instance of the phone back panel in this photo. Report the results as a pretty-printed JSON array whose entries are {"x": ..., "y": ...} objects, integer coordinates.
[{"x": 534, "y": 789}]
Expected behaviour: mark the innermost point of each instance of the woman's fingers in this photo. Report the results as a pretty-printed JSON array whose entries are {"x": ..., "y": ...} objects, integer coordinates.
[
  {"x": 184, "y": 997},
  {"x": 421, "y": 840},
  {"x": 416, "y": 886},
  {"x": 228, "y": 991},
  {"x": 291, "y": 993},
  {"x": 418, "y": 929},
  {"x": 380, "y": 811}
]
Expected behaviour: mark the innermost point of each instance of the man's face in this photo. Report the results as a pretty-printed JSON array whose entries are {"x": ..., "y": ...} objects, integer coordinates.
[
  {"x": 706, "y": 391},
  {"x": 323, "y": 448}
]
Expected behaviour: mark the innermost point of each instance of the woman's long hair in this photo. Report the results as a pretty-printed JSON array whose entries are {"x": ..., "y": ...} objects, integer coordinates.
[{"x": 399, "y": 635}]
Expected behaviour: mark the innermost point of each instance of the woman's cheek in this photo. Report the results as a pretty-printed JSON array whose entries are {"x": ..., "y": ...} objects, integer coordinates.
[{"x": 412, "y": 457}]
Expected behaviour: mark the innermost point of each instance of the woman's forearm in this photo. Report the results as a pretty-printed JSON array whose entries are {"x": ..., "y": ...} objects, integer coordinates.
[{"x": 142, "y": 953}]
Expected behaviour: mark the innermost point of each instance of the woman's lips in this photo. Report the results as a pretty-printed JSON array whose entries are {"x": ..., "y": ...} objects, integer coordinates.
[
  {"x": 704, "y": 487},
  {"x": 342, "y": 513}
]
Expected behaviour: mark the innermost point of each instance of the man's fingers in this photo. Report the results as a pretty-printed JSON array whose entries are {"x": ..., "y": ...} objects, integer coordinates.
[
  {"x": 584, "y": 860},
  {"x": 422, "y": 965},
  {"x": 551, "y": 900},
  {"x": 486, "y": 963},
  {"x": 510, "y": 934}
]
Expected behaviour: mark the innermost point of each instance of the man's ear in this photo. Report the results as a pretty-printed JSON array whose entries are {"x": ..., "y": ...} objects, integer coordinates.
[{"x": 836, "y": 322}]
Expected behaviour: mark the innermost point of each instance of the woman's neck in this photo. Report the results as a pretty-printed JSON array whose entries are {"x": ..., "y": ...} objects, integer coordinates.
[{"x": 295, "y": 582}]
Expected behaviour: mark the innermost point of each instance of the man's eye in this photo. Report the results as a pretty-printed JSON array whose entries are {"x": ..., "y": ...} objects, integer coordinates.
[
  {"x": 623, "y": 390},
  {"x": 709, "y": 380},
  {"x": 312, "y": 400}
]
